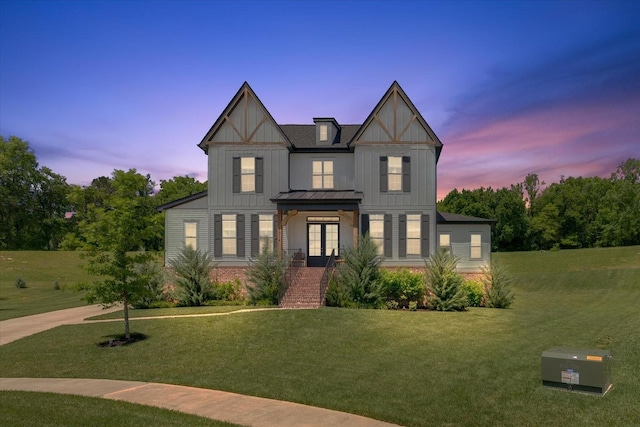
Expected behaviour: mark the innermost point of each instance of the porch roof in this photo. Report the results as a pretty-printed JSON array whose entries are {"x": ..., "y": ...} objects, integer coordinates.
[{"x": 318, "y": 200}]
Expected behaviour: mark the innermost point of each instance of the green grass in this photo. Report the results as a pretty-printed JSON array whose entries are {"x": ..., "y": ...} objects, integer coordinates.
[
  {"x": 22, "y": 408},
  {"x": 40, "y": 270},
  {"x": 480, "y": 367}
]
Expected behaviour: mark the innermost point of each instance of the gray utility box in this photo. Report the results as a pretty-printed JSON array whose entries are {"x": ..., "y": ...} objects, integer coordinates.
[{"x": 577, "y": 369}]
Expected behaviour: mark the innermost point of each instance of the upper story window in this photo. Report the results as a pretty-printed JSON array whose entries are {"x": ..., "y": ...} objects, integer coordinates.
[
  {"x": 247, "y": 174},
  {"x": 324, "y": 132},
  {"x": 476, "y": 246},
  {"x": 395, "y": 174},
  {"x": 191, "y": 234},
  {"x": 322, "y": 171}
]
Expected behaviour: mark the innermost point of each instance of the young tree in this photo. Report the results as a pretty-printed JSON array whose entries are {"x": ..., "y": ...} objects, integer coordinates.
[
  {"x": 266, "y": 275},
  {"x": 120, "y": 227},
  {"x": 445, "y": 286}
]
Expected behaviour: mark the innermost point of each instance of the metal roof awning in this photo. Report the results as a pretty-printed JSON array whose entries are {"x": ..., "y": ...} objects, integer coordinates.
[{"x": 321, "y": 200}]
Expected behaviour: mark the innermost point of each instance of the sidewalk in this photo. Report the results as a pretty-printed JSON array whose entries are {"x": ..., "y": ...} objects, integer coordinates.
[
  {"x": 20, "y": 327},
  {"x": 213, "y": 404}
]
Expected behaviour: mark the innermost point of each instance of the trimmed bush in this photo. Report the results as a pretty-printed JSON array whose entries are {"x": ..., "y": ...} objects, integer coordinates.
[
  {"x": 192, "y": 269},
  {"x": 402, "y": 286},
  {"x": 475, "y": 293},
  {"x": 227, "y": 291},
  {"x": 445, "y": 286},
  {"x": 496, "y": 282}
]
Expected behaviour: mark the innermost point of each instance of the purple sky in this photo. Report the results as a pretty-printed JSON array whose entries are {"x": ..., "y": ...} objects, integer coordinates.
[{"x": 511, "y": 88}]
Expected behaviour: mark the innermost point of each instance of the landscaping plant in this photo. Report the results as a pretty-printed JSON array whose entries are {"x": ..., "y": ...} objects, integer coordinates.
[
  {"x": 496, "y": 284},
  {"x": 445, "y": 286},
  {"x": 402, "y": 286},
  {"x": 475, "y": 293},
  {"x": 266, "y": 276},
  {"x": 358, "y": 276},
  {"x": 153, "y": 278},
  {"x": 192, "y": 271}
]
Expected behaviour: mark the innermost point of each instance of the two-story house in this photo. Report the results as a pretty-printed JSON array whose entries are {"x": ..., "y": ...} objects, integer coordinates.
[{"x": 317, "y": 187}]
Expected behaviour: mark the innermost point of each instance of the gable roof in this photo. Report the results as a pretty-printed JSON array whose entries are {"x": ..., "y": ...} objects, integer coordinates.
[
  {"x": 396, "y": 92},
  {"x": 244, "y": 93},
  {"x": 449, "y": 218},
  {"x": 303, "y": 137},
  {"x": 182, "y": 201}
]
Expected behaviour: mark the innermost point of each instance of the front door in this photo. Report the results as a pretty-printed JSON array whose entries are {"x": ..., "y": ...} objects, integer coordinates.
[{"x": 321, "y": 240}]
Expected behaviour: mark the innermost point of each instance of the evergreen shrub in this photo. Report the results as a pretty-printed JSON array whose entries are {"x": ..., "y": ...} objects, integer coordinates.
[
  {"x": 496, "y": 284},
  {"x": 192, "y": 269},
  {"x": 445, "y": 286}
]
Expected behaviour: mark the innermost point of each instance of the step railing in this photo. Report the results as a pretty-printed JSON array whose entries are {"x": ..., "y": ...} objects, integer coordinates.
[
  {"x": 295, "y": 260},
  {"x": 326, "y": 275}
]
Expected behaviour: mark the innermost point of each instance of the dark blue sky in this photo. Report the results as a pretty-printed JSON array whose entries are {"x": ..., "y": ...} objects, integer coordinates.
[{"x": 510, "y": 87}]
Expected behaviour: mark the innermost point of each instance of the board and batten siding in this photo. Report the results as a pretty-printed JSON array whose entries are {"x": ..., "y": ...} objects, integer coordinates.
[
  {"x": 302, "y": 168},
  {"x": 275, "y": 176}
]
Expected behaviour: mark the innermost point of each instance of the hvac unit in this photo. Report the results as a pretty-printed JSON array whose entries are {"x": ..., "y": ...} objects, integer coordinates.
[{"x": 577, "y": 369}]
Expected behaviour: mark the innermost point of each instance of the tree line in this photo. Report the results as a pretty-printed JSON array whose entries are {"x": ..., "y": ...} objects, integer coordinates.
[
  {"x": 39, "y": 210},
  {"x": 573, "y": 213}
]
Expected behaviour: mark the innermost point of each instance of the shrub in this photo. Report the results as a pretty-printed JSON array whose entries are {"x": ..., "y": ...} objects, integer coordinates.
[
  {"x": 413, "y": 305},
  {"x": 358, "y": 276},
  {"x": 496, "y": 282},
  {"x": 445, "y": 291},
  {"x": 337, "y": 294},
  {"x": 402, "y": 286},
  {"x": 475, "y": 293},
  {"x": 153, "y": 278},
  {"x": 56, "y": 285},
  {"x": 20, "y": 283},
  {"x": 391, "y": 304},
  {"x": 227, "y": 291},
  {"x": 266, "y": 276},
  {"x": 192, "y": 269}
]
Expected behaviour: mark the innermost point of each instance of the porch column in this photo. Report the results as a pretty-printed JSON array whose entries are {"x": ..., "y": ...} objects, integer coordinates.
[
  {"x": 356, "y": 228},
  {"x": 279, "y": 233}
]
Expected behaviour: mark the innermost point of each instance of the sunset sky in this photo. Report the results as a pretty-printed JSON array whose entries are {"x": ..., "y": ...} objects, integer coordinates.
[{"x": 510, "y": 87}]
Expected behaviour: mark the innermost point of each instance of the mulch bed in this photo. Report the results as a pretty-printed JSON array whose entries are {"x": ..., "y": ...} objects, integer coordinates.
[{"x": 120, "y": 340}]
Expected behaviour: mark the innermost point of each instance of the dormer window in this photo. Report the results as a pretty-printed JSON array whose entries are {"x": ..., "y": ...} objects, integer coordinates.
[{"x": 324, "y": 132}]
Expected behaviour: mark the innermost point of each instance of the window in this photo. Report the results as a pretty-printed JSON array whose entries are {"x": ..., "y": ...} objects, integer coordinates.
[
  {"x": 476, "y": 246},
  {"x": 445, "y": 241},
  {"x": 324, "y": 132},
  {"x": 322, "y": 171},
  {"x": 265, "y": 229},
  {"x": 376, "y": 231},
  {"x": 248, "y": 174},
  {"x": 191, "y": 234},
  {"x": 413, "y": 234},
  {"x": 395, "y": 174},
  {"x": 228, "y": 235}
]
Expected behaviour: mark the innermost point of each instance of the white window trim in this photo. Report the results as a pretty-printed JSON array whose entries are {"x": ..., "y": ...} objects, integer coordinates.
[
  {"x": 391, "y": 188},
  {"x": 324, "y": 132},
  {"x": 379, "y": 241},
  {"x": 191, "y": 240},
  {"x": 249, "y": 176},
  {"x": 323, "y": 175},
  {"x": 414, "y": 218},
  {"x": 476, "y": 246},
  {"x": 447, "y": 246},
  {"x": 231, "y": 219},
  {"x": 265, "y": 231}
]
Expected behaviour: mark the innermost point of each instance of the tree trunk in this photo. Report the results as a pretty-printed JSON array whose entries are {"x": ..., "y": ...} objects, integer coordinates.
[{"x": 127, "y": 334}]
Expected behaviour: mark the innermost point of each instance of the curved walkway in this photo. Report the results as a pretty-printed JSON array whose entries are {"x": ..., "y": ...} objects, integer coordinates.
[{"x": 213, "y": 404}]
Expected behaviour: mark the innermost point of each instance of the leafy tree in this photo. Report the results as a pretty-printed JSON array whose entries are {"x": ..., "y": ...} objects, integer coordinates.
[
  {"x": 192, "y": 271},
  {"x": 33, "y": 199},
  {"x": 359, "y": 274},
  {"x": 533, "y": 187},
  {"x": 177, "y": 188},
  {"x": 266, "y": 275},
  {"x": 445, "y": 286},
  {"x": 119, "y": 227}
]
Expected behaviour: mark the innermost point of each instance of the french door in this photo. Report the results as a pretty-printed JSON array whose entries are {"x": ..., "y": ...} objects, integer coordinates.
[{"x": 321, "y": 240}]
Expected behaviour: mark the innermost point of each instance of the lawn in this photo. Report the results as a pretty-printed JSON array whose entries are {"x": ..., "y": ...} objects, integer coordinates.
[
  {"x": 22, "y": 408},
  {"x": 480, "y": 367},
  {"x": 40, "y": 270}
]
